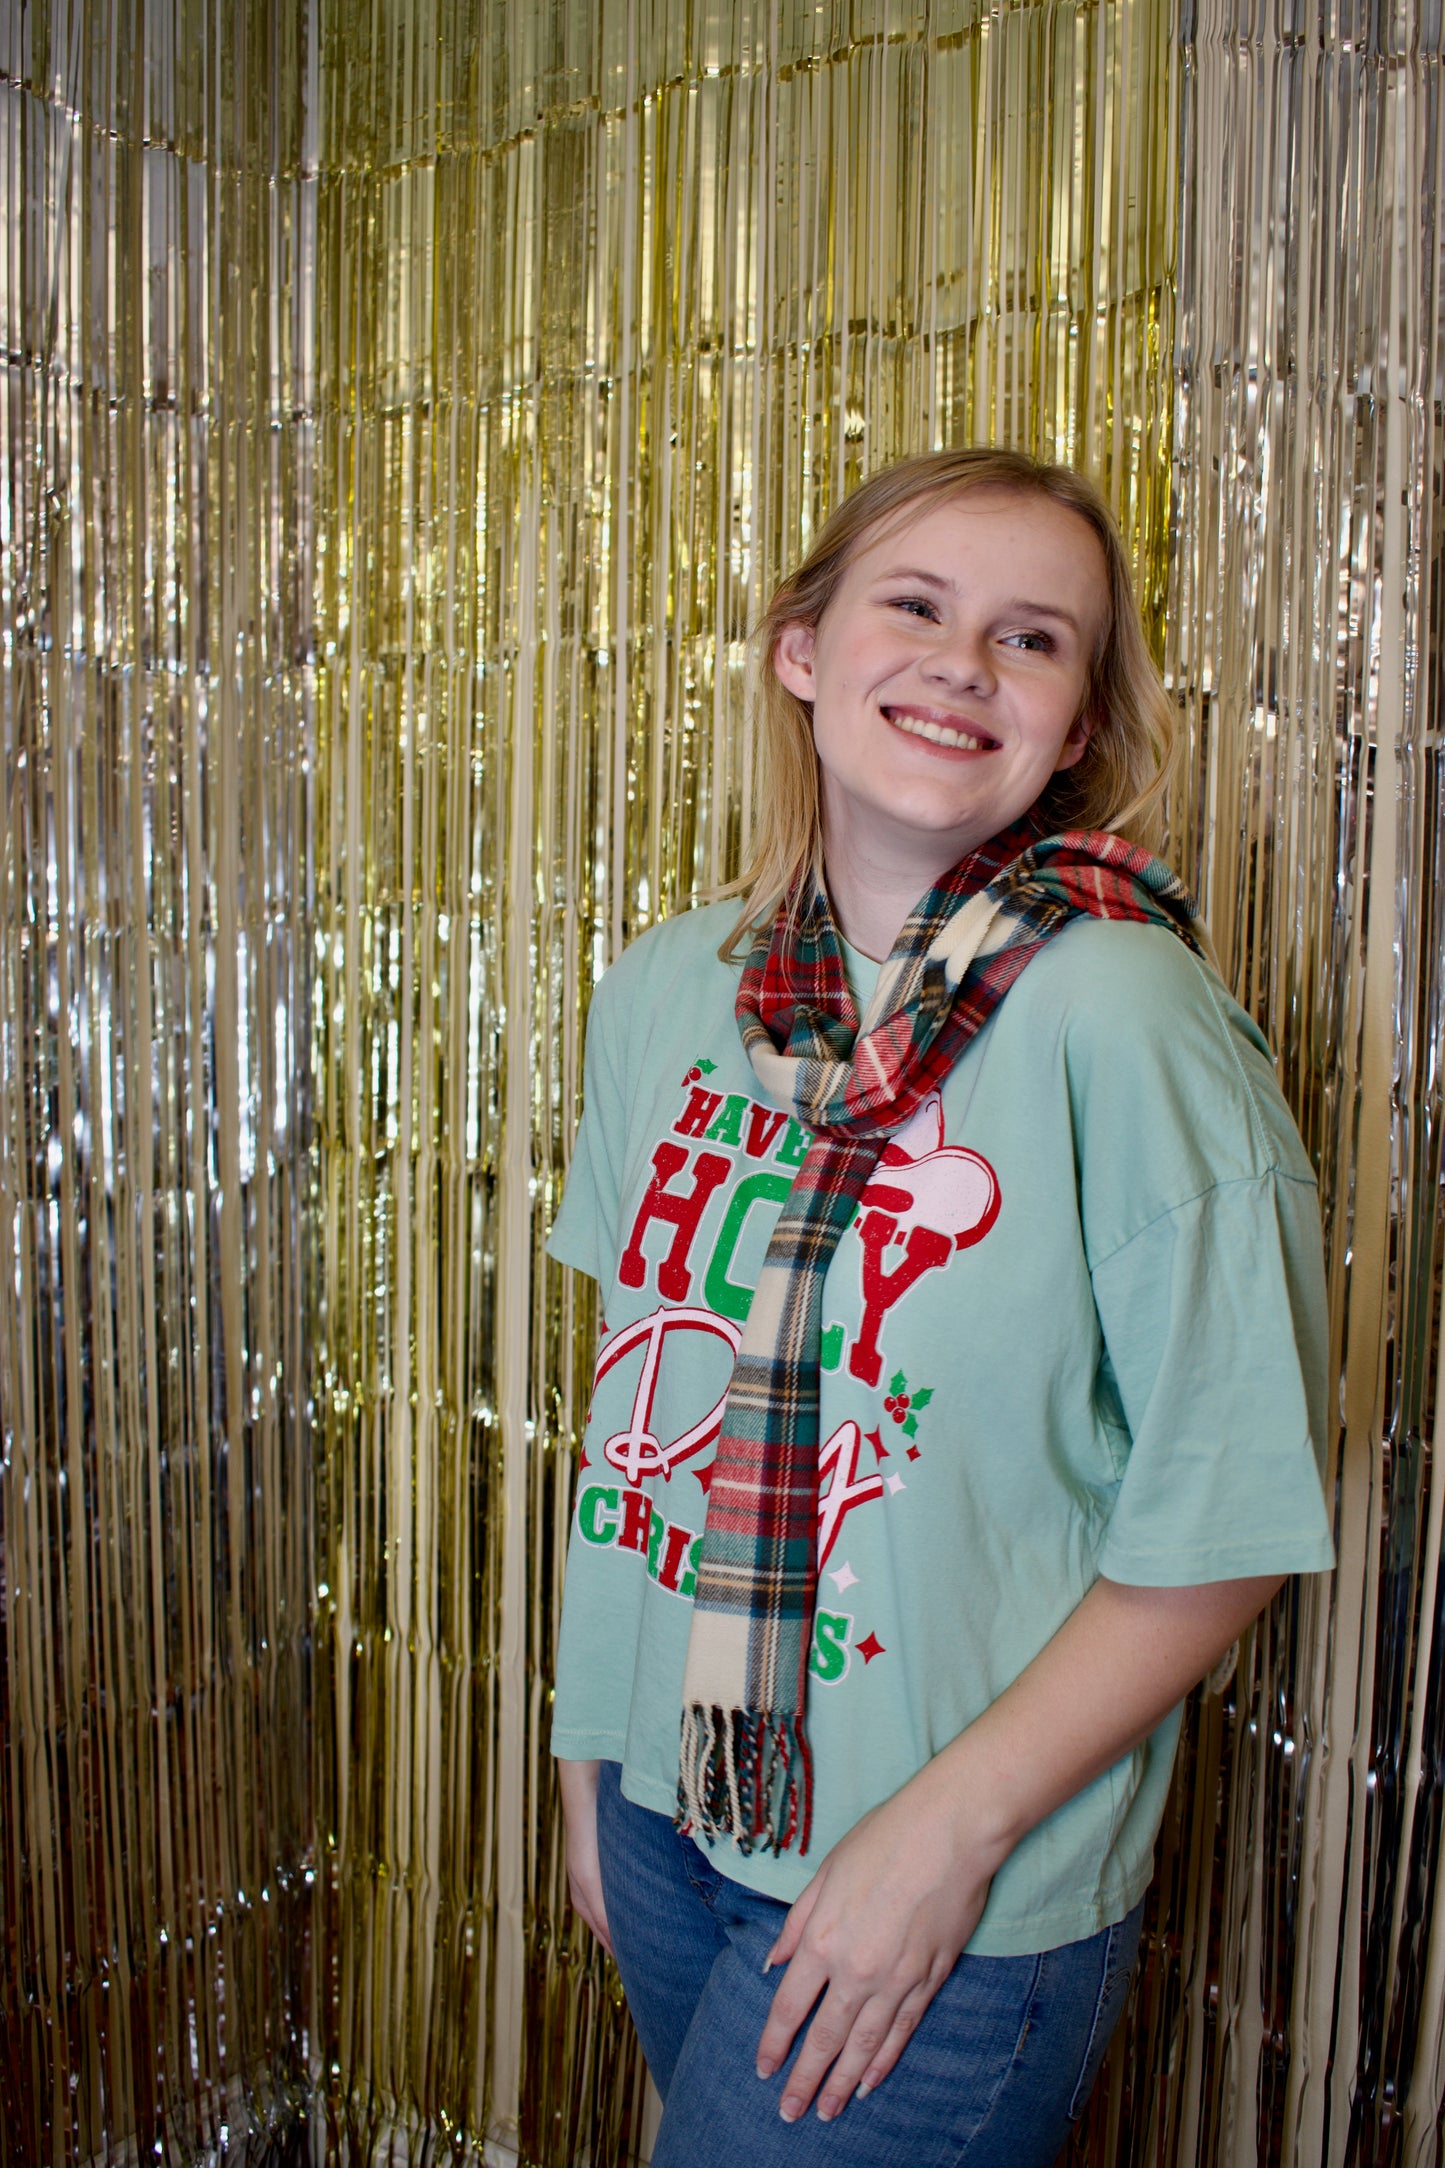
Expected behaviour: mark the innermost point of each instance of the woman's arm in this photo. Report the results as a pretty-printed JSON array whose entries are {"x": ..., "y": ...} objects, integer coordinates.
[
  {"x": 578, "y": 1783},
  {"x": 884, "y": 1919}
]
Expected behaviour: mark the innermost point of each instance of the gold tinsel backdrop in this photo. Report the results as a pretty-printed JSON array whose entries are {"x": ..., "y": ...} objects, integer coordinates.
[{"x": 406, "y": 406}]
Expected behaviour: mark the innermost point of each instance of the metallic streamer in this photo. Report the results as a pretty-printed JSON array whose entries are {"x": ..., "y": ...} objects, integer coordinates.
[
  {"x": 1293, "y": 1980},
  {"x": 439, "y": 391},
  {"x": 623, "y": 297},
  {"x": 155, "y": 1163},
  {"x": 407, "y": 407}
]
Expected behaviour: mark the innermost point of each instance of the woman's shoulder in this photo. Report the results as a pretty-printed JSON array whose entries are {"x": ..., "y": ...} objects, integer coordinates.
[
  {"x": 1120, "y": 980},
  {"x": 678, "y": 942},
  {"x": 675, "y": 959},
  {"x": 1148, "y": 1035}
]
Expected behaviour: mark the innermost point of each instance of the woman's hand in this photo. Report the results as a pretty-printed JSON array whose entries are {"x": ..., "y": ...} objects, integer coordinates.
[
  {"x": 880, "y": 1927},
  {"x": 883, "y": 1921},
  {"x": 578, "y": 1783}
]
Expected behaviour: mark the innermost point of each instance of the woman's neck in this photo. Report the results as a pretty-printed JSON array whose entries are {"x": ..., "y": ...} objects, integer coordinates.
[{"x": 872, "y": 899}]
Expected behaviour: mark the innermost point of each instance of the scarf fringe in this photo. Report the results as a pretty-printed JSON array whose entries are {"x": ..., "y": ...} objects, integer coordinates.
[{"x": 745, "y": 1776}]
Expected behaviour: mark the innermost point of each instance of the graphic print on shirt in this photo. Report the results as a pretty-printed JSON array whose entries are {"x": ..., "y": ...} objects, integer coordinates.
[
  {"x": 635, "y": 1450},
  {"x": 927, "y": 1198},
  {"x": 697, "y": 1234}
]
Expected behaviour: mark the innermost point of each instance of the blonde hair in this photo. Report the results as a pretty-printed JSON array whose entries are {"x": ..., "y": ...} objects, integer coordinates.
[{"x": 1120, "y": 781}]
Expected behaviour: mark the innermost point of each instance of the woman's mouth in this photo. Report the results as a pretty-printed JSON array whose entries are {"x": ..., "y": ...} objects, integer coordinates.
[{"x": 951, "y": 735}]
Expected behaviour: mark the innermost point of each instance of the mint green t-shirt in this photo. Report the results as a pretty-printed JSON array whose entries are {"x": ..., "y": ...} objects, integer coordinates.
[{"x": 1077, "y": 1328}]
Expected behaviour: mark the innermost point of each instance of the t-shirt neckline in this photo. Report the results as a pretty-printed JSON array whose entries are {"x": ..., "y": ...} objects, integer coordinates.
[{"x": 862, "y": 972}]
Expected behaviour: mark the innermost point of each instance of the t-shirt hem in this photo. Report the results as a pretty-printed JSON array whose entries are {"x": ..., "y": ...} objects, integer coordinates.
[
  {"x": 587, "y": 1745},
  {"x": 578, "y": 1256},
  {"x": 1190, "y": 1568},
  {"x": 1009, "y": 1935},
  {"x": 1054, "y": 1930}
]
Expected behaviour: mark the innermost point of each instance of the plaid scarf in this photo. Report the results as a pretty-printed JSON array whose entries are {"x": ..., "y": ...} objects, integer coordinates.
[{"x": 744, "y": 1763}]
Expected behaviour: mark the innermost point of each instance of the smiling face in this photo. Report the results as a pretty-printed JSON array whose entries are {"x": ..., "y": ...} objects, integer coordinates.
[{"x": 948, "y": 676}]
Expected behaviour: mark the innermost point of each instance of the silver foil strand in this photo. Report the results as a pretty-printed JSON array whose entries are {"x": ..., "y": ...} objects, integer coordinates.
[{"x": 406, "y": 408}]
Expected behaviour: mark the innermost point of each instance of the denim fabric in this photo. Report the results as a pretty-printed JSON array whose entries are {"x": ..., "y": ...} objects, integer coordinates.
[{"x": 1001, "y": 2063}]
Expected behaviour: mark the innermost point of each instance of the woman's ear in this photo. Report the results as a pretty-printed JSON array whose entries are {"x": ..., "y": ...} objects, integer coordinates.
[
  {"x": 793, "y": 660},
  {"x": 1076, "y": 740}
]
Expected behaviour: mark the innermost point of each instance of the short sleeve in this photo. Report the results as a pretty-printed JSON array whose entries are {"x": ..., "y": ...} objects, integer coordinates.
[
  {"x": 584, "y": 1233},
  {"x": 1215, "y": 1326}
]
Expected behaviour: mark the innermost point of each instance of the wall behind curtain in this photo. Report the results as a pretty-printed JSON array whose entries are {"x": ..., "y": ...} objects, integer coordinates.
[{"x": 407, "y": 407}]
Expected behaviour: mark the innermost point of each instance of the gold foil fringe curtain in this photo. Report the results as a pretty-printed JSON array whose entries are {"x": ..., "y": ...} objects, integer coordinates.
[
  {"x": 406, "y": 409},
  {"x": 1297, "y": 1981},
  {"x": 157, "y": 1162}
]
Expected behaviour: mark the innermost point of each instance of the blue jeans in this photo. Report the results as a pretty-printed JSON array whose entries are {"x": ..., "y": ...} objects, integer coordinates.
[{"x": 1000, "y": 2065}]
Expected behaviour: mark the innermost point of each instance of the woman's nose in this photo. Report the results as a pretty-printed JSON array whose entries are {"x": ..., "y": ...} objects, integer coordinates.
[{"x": 964, "y": 661}]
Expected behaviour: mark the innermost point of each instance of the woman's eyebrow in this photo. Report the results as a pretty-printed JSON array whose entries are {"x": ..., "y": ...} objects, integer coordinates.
[
  {"x": 1019, "y": 606},
  {"x": 924, "y": 579},
  {"x": 1024, "y": 608}
]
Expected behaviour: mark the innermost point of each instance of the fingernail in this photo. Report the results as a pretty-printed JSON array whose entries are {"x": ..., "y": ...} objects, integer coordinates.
[
  {"x": 765, "y": 2068},
  {"x": 864, "y": 2089},
  {"x": 791, "y": 2110},
  {"x": 827, "y": 2109}
]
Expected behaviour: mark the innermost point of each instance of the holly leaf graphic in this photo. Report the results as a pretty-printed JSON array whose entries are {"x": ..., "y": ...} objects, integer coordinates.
[
  {"x": 910, "y": 1426},
  {"x": 898, "y": 1383},
  {"x": 921, "y": 1400},
  {"x": 707, "y": 1067}
]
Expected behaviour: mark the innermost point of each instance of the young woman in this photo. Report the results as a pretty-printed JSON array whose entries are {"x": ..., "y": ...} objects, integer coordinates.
[{"x": 961, "y": 1391}]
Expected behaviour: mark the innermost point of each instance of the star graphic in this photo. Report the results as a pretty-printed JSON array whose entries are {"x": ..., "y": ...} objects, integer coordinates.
[
  {"x": 877, "y": 1444},
  {"x": 870, "y": 1648},
  {"x": 704, "y": 1476},
  {"x": 895, "y": 1485},
  {"x": 844, "y": 1578},
  {"x": 584, "y": 1462},
  {"x": 914, "y": 1451}
]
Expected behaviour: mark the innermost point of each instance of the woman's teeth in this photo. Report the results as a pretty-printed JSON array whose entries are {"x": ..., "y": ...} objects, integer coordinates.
[{"x": 937, "y": 734}]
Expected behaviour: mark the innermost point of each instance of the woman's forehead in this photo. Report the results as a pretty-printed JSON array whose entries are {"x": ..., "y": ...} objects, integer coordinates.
[{"x": 999, "y": 502}]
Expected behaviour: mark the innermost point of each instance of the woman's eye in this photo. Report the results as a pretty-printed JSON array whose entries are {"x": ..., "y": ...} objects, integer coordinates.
[
  {"x": 915, "y": 605},
  {"x": 1032, "y": 643}
]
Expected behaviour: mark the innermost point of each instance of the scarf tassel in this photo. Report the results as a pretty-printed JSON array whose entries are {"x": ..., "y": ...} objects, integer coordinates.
[{"x": 745, "y": 1777}]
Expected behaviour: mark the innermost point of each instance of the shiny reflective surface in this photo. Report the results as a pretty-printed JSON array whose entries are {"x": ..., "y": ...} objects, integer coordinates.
[
  {"x": 1293, "y": 1977},
  {"x": 406, "y": 408},
  {"x": 634, "y": 294},
  {"x": 157, "y": 1169}
]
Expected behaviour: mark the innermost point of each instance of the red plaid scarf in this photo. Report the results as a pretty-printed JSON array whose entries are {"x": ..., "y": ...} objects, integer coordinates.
[{"x": 744, "y": 1764}]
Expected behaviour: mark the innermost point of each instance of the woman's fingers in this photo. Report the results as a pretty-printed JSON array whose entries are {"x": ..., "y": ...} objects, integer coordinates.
[
  {"x": 797, "y": 1991},
  {"x": 587, "y": 1899},
  {"x": 798, "y": 1916},
  {"x": 578, "y": 1781},
  {"x": 837, "y": 2048},
  {"x": 792, "y": 2002},
  {"x": 868, "y": 1945},
  {"x": 853, "y": 2038},
  {"x": 843, "y": 2053},
  {"x": 895, "y": 2040}
]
